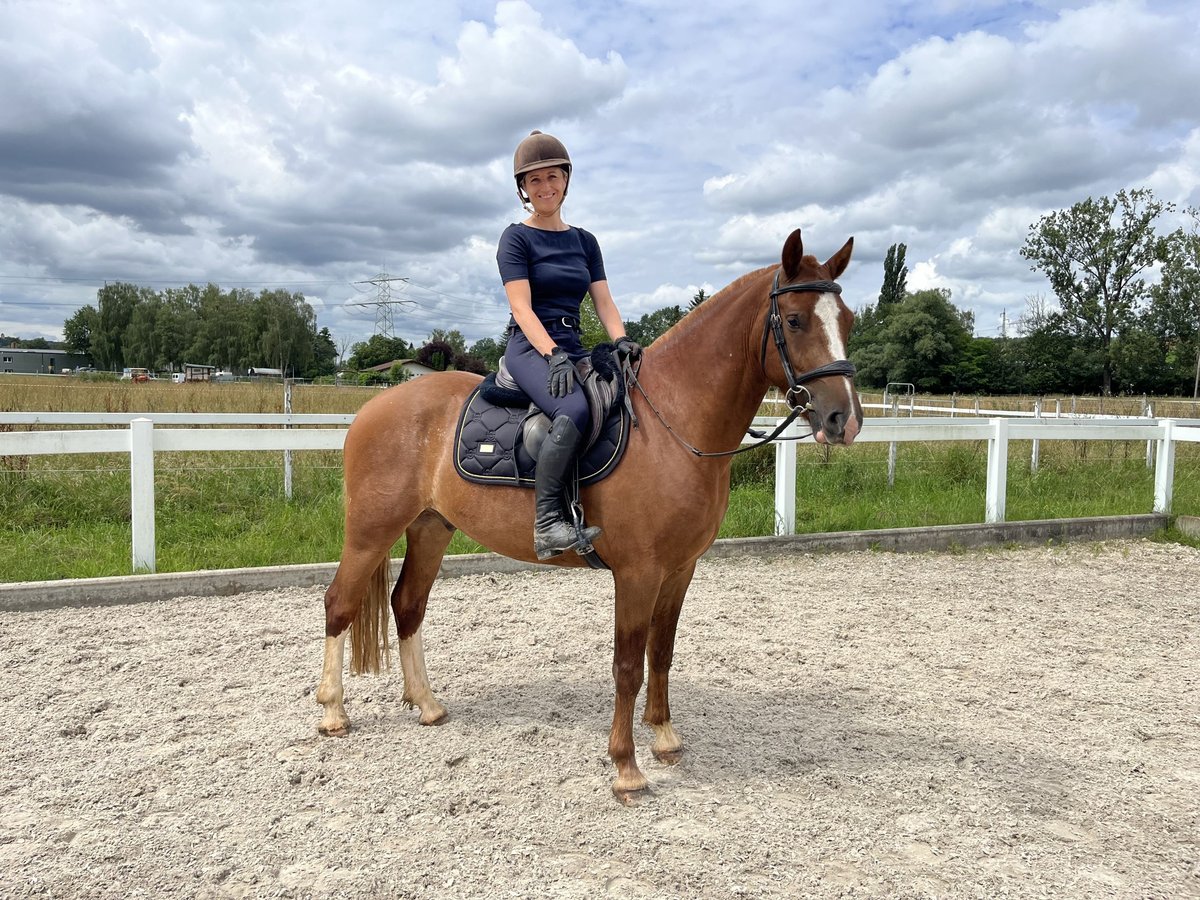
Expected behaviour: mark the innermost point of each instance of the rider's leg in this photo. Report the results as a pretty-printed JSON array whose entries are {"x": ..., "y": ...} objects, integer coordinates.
[
  {"x": 552, "y": 533},
  {"x": 570, "y": 418}
]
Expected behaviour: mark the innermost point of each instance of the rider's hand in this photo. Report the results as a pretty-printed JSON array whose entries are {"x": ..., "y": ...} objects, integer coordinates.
[
  {"x": 629, "y": 347},
  {"x": 562, "y": 373}
]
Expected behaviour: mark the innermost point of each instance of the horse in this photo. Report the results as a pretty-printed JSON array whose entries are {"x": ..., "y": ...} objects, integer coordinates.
[{"x": 699, "y": 384}]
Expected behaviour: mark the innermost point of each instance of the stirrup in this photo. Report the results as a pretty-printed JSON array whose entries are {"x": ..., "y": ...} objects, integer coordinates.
[
  {"x": 586, "y": 534},
  {"x": 566, "y": 537}
]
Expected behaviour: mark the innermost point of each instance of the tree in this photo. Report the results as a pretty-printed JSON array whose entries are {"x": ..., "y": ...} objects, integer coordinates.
[
  {"x": 139, "y": 343},
  {"x": 465, "y": 362},
  {"x": 324, "y": 356},
  {"x": 1094, "y": 254},
  {"x": 453, "y": 337},
  {"x": 591, "y": 328},
  {"x": 78, "y": 329},
  {"x": 284, "y": 323},
  {"x": 697, "y": 298},
  {"x": 1047, "y": 358},
  {"x": 437, "y": 355},
  {"x": 895, "y": 278},
  {"x": 1174, "y": 313},
  {"x": 115, "y": 304},
  {"x": 489, "y": 350},
  {"x": 651, "y": 326},
  {"x": 377, "y": 350},
  {"x": 921, "y": 342}
]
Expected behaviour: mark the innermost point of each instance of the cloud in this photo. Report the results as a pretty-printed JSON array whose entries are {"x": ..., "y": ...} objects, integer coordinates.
[{"x": 168, "y": 141}]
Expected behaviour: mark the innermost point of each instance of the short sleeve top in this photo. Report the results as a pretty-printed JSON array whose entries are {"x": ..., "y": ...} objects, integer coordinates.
[{"x": 559, "y": 265}]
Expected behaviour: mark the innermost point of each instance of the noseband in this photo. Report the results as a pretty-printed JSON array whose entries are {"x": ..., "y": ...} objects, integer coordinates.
[{"x": 774, "y": 327}]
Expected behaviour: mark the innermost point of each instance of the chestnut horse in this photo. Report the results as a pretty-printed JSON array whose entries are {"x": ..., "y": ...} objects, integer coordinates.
[{"x": 660, "y": 509}]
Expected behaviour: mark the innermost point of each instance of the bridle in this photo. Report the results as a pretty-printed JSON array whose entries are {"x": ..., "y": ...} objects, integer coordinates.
[{"x": 773, "y": 327}]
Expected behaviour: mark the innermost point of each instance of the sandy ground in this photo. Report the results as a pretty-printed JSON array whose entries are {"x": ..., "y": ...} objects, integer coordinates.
[{"x": 1011, "y": 723}]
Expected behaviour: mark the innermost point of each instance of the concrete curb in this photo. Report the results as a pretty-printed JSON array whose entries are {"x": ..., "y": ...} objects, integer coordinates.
[
  {"x": 89, "y": 592},
  {"x": 1189, "y": 525}
]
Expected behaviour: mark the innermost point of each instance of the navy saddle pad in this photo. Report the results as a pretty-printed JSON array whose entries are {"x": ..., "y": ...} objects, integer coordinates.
[{"x": 490, "y": 439}]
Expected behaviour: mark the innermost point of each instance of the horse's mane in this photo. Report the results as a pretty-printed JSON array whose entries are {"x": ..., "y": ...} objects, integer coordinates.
[{"x": 694, "y": 317}]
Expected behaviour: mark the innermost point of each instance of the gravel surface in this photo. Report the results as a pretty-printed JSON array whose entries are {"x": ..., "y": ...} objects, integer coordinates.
[{"x": 1006, "y": 723}]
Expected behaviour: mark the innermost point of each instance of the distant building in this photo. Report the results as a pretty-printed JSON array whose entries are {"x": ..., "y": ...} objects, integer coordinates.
[
  {"x": 411, "y": 366},
  {"x": 16, "y": 361}
]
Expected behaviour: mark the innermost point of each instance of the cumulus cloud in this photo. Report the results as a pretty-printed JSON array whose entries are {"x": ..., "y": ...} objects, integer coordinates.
[
  {"x": 958, "y": 143},
  {"x": 172, "y": 141}
]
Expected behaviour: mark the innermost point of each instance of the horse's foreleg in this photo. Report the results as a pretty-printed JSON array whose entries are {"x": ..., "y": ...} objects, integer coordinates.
[
  {"x": 634, "y": 607},
  {"x": 660, "y": 651},
  {"x": 427, "y": 539}
]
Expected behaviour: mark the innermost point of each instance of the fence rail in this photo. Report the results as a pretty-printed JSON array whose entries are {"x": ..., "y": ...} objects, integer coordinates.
[{"x": 144, "y": 437}]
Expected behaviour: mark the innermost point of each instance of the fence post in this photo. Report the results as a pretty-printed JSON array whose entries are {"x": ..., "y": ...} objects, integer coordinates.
[
  {"x": 997, "y": 472},
  {"x": 141, "y": 490},
  {"x": 1164, "y": 474},
  {"x": 892, "y": 447},
  {"x": 1148, "y": 412},
  {"x": 785, "y": 483},
  {"x": 287, "y": 454},
  {"x": 1037, "y": 445}
]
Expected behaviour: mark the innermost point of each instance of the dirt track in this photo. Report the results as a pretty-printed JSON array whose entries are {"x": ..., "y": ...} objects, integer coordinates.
[{"x": 1019, "y": 723}]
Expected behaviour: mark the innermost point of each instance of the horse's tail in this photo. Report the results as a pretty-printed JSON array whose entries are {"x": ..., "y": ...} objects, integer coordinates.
[{"x": 370, "y": 649}]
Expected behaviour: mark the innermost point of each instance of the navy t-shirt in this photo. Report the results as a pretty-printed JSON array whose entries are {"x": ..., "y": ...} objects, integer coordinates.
[{"x": 559, "y": 265}]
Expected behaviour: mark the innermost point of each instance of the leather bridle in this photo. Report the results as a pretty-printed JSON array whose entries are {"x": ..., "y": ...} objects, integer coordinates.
[{"x": 774, "y": 327}]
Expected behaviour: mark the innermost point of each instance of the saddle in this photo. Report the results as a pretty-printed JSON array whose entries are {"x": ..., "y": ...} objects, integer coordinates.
[{"x": 500, "y": 431}]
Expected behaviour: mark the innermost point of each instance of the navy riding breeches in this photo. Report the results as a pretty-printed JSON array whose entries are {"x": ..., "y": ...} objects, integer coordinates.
[{"x": 531, "y": 371}]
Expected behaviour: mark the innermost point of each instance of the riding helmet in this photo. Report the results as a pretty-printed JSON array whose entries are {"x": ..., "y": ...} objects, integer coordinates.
[{"x": 539, "y": 151}]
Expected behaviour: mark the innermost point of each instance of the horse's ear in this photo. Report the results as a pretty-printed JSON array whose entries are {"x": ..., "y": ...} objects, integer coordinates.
[
  {"x": 838, "y": 262},
  {"x": 793, "y": 252}
]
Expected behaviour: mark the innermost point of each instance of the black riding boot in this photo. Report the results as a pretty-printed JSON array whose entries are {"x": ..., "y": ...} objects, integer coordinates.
[{"x": 552, "y": 533}]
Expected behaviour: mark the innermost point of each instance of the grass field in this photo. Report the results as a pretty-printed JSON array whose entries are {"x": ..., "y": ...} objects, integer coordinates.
[{"x": 68, "y": 516}]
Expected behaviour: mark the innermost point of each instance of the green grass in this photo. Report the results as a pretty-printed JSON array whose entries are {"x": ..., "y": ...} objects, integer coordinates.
[{"x": 227, "y": 510}]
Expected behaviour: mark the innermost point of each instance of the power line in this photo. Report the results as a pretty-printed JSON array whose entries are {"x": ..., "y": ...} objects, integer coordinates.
[{"x": 105, "y": 279}]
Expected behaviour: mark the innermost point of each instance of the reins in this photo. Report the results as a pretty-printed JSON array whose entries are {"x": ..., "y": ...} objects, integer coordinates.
[{"x": 772, "y": 328}]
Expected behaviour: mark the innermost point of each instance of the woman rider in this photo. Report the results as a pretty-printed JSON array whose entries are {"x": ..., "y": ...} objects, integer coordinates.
[{"x": 547, "y": 267}]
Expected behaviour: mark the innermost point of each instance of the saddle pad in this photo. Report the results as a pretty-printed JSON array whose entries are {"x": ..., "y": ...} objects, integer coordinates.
[{"x": 489, "y": 449}]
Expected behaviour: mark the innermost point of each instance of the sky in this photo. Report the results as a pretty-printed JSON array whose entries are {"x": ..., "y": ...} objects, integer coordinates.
[{"x": 314, "y": 146}]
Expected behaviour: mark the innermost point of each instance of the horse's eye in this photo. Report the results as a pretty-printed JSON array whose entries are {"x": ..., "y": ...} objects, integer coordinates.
[{"x": 794, "y": 322}]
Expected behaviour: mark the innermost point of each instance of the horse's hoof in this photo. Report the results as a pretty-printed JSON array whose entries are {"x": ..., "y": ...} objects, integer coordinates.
[
  {"x": 668, "y": 757},
  {"x": 339, "y": 730},
  {"x": 631, "y": 797},
  {"x": 631, "y": 788},
  {"x": 434, "y": 717}
]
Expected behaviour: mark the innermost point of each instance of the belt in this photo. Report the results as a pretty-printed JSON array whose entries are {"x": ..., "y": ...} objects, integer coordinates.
[{"x": 557, "y": 322}]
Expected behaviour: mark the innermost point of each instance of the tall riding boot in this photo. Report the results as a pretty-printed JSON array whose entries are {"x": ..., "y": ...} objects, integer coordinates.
[{"x": 552, "y": 533}]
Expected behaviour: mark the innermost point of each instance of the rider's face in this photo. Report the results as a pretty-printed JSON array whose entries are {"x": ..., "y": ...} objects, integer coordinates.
[{"x": 545, "y": 188}]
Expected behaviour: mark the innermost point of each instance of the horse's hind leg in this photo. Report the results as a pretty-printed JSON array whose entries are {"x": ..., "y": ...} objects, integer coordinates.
[
  {"x": 356, "y": 572},
  {"x": 427, "y": 539},
  {"x": 660, "y": 651}
]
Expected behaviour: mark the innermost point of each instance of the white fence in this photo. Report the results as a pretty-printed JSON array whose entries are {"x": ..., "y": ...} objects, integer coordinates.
[{"x": 142, "y": 437}]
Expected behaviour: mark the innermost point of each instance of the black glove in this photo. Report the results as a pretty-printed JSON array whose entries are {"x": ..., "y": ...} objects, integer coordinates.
[
  {"x": 562, "y": 373},
  {"x": 629, "y": 347}
]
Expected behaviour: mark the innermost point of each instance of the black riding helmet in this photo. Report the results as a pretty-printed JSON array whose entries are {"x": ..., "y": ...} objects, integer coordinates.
[{"x": 539, "y": 151}]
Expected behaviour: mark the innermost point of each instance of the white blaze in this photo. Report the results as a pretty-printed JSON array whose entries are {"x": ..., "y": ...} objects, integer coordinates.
[{"x": 826, "y": 311}]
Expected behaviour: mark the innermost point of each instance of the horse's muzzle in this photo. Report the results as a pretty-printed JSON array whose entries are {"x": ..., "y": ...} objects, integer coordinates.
[{"x": 837, "y": 427}]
